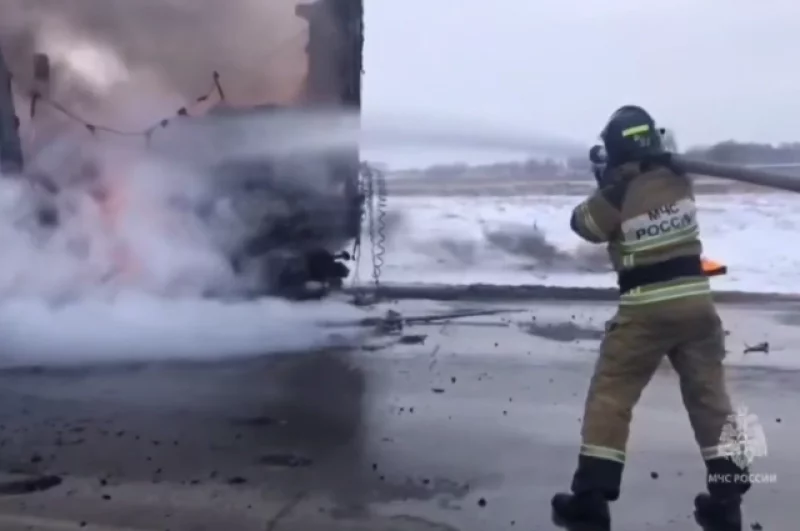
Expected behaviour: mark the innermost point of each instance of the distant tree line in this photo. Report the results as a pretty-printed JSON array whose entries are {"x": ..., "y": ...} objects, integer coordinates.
[
  {"x": 730, "y": 152},
  {"x": 529, "y": 169},
  {"x": 749, "y": 153}
]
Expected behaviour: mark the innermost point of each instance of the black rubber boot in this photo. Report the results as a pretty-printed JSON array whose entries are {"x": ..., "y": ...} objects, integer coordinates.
[
  {"x": 586, "y": 511},
  {"x": 718, "y": 514},
  {"x": 721, "y": 508},
  {"x": 595, "y": 483}
]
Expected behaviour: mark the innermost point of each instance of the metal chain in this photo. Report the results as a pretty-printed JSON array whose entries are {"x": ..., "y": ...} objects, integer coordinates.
[{"x": 374, "y": 190}]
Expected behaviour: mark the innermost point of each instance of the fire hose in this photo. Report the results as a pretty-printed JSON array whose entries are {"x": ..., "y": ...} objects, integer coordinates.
[
  {"x": 737, "y": 173},
  {"x": 733, "y": 172}
]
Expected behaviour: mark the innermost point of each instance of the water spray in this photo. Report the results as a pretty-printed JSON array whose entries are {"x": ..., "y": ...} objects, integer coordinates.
[{"x": 321, "y": 131}]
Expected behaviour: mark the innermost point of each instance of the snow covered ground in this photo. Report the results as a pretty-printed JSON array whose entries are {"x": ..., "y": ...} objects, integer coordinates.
[{"x": 527, "y": 240}]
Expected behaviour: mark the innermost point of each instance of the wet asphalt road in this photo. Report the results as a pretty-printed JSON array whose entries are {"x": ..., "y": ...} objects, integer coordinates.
[{"x": 466, "y": 426}]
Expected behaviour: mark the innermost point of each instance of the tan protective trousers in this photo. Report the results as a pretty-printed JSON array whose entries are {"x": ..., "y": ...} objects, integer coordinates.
[{"x": 689, "y": 332}]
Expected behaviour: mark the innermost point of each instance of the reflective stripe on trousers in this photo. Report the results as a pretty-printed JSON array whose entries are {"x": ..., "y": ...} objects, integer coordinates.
[
  {"x": 727, "y": 450},
  {"x": 601, "y": 452},
  {"x": 678, "y": 291}
]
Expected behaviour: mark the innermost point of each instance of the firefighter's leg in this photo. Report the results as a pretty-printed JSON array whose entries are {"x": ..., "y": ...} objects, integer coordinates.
[
  {"x": 699, "y": 363},
  {"x": 629, "y": 356}
]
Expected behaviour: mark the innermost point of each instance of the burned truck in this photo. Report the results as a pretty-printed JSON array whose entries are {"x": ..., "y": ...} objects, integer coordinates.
[
  {"x": 307, "y": 229},
  {"x": 308, "y": 207}
]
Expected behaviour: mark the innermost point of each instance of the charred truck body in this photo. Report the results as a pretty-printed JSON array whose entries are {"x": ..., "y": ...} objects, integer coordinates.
[
  {"x": 305, "y": 209},
  {"x": 307, "y": 242}
]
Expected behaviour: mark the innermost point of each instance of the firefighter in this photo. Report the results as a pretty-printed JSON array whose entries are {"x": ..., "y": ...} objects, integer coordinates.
[
  {"x": 599, "y": 163},
  {"x": 645, "y": 212}
]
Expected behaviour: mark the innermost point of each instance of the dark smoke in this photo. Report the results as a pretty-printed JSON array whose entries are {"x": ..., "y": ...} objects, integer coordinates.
[
  {"x": 532, "y": 245},
  {"x": 528, "y": 245}
]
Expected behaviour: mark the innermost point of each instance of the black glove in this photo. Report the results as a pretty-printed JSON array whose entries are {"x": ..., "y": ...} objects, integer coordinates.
[{"x": 597, "y": 156}]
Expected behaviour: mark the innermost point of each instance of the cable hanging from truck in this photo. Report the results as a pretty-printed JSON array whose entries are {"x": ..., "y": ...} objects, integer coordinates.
[
  {"x": 41, "y": 68},
  {"x": 146, "y": 133}
]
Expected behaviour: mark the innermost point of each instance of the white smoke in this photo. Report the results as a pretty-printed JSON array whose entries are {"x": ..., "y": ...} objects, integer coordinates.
[
  {"x": 127, "y": 272},
  {"x": 143, "y": 239},
  {"x": 120, "y": 230},
  {"x": 134, "y": 326}
]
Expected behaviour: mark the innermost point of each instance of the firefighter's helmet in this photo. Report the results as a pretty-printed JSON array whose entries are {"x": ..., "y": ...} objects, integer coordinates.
[{"x": 631, "y": 135}]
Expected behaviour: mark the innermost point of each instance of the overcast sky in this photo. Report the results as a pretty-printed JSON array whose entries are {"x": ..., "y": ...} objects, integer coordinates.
[{"x": 711, "y": 69}]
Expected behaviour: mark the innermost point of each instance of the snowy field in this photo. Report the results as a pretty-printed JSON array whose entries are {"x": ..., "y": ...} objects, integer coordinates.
[{"x": 527, "y": 240}]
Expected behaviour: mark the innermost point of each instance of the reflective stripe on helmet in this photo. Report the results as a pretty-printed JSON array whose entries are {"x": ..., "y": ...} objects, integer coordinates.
[{"x": 636, "y": 130}]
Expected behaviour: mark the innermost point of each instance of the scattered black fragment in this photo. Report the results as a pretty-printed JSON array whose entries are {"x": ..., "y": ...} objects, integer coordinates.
[
  {"x": 482, "y": 502},
  {"x": 285, "y": 460},
  {"x": 413, "y": 339},
  {"x": 760, "y": 347},
  {"x": 654, "y": 475},
  {"x": 29, "y": 485},
  {"x": 373, "y": 348},
  {"x": 237, "y": 480},
  {"x": 438, "y": 390},
  {"x": 778, "y": 420},
  {"x": 755, "y": 526},
  {"x": 256, "y": 421}
]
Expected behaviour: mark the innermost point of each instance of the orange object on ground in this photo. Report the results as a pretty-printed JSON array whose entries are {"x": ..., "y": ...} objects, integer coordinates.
[{"x": 713, "y": 269}]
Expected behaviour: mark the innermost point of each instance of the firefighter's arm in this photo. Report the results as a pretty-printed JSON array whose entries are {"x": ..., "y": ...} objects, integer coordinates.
[{"x": 595, "y": 220}]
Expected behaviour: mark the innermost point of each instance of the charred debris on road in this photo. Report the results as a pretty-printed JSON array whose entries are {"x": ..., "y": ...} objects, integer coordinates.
[{"x": 393, "y": 323}]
